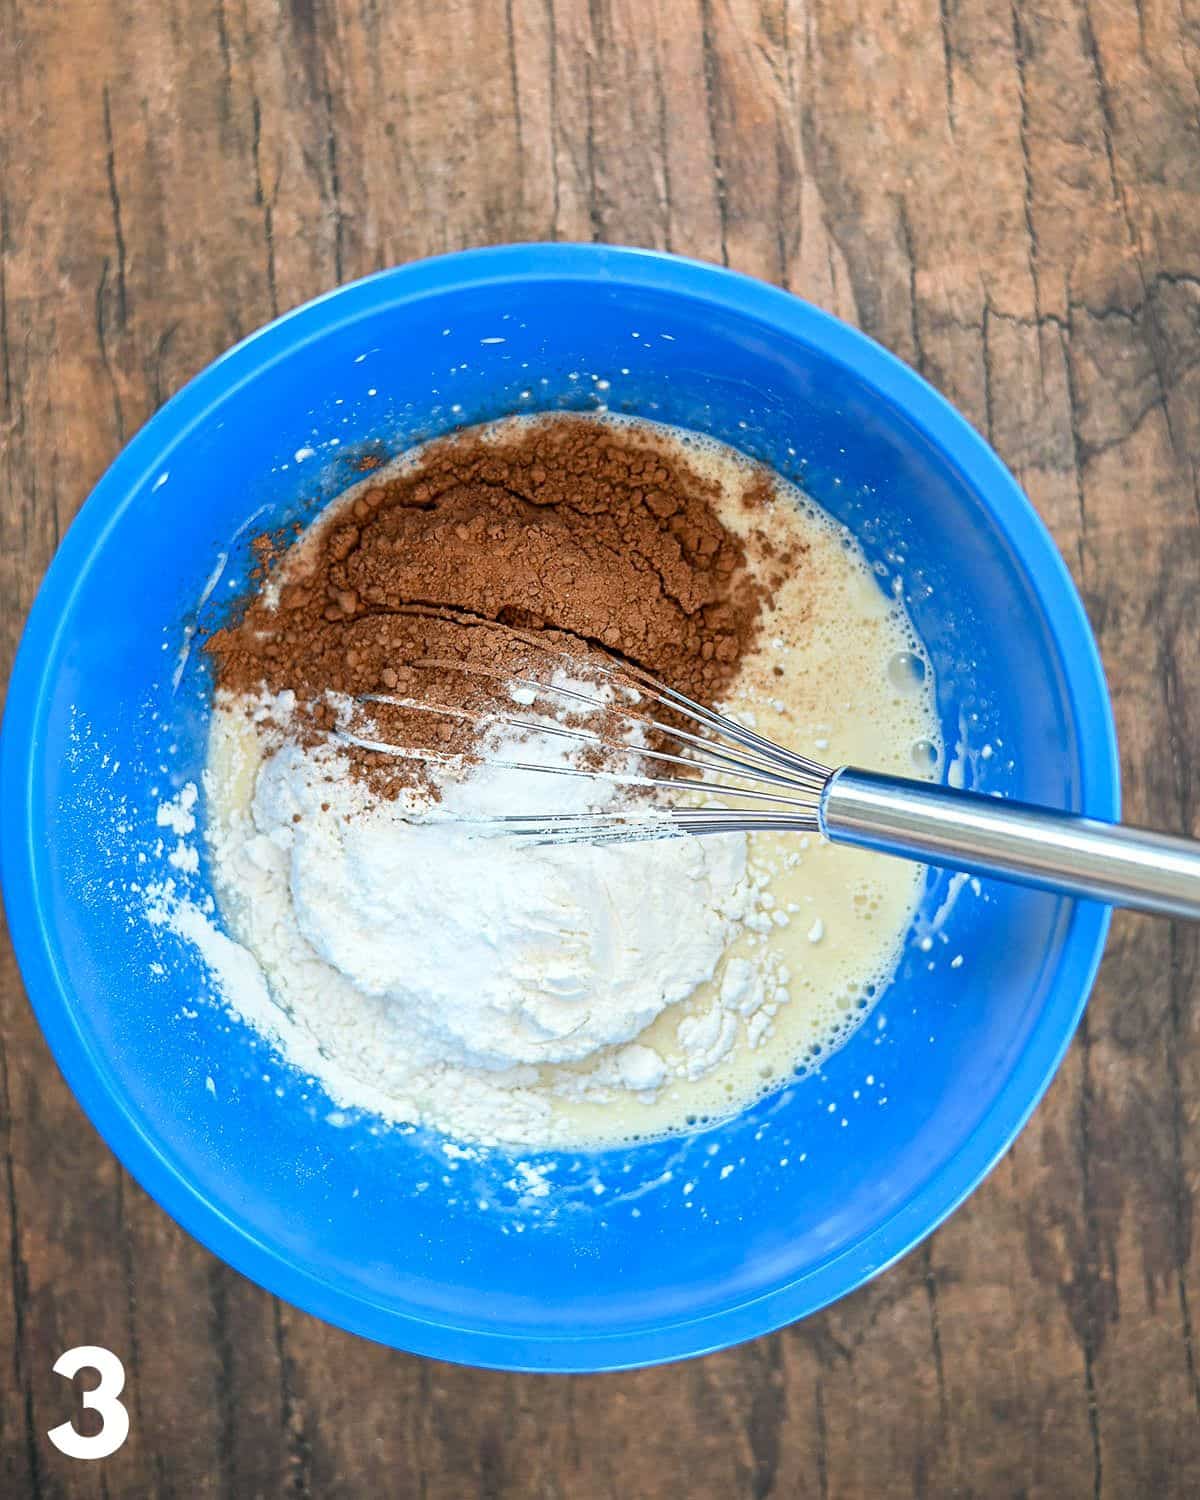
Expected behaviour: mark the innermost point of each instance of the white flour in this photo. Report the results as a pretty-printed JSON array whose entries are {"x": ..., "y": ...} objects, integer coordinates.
[
  {"x": 489, "y": 951},
  {"x": 539, "y": 954}
]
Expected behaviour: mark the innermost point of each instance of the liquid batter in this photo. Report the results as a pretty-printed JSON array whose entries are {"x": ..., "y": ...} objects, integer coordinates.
[{"x": 770, "y": 949}]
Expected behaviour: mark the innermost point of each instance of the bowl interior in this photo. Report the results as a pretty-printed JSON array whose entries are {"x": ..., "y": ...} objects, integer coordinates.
[{"x": 639, "y": 1254}]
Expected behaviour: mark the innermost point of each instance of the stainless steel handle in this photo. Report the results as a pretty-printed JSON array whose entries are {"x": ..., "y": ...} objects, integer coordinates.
[{"x": 1014, "y": 841}]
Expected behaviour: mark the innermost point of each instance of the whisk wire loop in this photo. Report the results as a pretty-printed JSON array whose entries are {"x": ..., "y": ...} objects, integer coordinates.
[{"x": 739, "y": 781}]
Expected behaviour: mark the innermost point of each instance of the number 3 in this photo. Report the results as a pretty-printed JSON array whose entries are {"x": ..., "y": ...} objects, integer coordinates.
[{"x": 103, "y": 1399}]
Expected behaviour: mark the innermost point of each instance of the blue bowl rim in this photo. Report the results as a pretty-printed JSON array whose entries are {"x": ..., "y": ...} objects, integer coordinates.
[{"x": 31, "y": 929}]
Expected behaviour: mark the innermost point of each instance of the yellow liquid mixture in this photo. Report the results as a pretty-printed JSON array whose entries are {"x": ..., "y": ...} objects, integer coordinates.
[{"x": 838, "y": 675}]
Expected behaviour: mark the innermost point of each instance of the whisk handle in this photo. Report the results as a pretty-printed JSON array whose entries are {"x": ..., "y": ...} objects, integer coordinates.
[{"x": 1056, "y": 851}]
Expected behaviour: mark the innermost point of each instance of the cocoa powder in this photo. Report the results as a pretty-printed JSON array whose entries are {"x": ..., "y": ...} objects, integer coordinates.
[{"x": 566, "y": 531}]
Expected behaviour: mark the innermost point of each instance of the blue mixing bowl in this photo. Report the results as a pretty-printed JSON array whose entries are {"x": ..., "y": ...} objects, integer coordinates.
[{"x": 637, "y": 1255}]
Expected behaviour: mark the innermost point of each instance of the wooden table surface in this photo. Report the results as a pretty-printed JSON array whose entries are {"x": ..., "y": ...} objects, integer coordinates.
[{"x": 1008, "y": 196}]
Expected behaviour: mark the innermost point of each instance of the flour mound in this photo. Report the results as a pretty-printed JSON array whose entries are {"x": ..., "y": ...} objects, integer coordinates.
[{"x": 495, "y": 952}]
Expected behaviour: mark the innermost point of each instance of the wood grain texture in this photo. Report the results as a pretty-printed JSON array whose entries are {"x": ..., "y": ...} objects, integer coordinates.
[{"x": 1007, "y": 195}]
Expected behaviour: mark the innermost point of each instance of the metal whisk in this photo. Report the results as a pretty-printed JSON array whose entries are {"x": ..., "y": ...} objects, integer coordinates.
[{"x": 728, "y": 779}]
